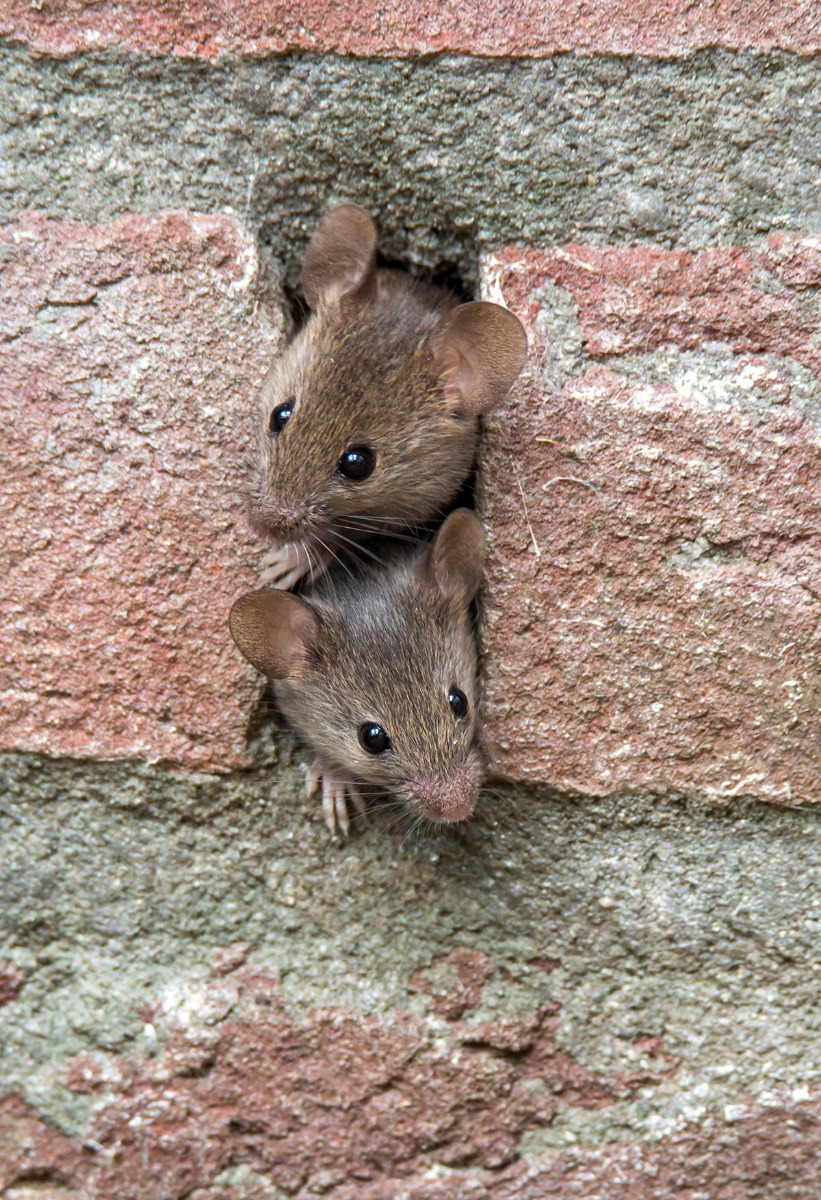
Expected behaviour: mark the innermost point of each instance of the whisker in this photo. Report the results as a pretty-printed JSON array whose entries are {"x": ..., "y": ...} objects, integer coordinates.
[
  {"x": 305, "y": 546},
  {"x": 376, "y": 522},
  {"x": 360, "y": 549},
  {"x": 398, "y": 537},
  {"x": 335, "y": 557}
]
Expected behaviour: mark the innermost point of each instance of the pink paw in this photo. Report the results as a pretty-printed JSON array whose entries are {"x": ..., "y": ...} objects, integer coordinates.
[
  {"x": 337, "y": 793},
  {"x": 284, "y": 566}
]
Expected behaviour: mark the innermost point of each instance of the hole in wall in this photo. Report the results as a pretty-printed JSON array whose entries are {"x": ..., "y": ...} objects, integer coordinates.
[
  {"x": 298, "y": 310},
  {"x": 458, "y": 274},
  {"x": 444, "y": 274}
]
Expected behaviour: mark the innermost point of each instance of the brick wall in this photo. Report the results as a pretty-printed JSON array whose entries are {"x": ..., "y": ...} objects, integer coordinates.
[{"x": 606, "y": 984}]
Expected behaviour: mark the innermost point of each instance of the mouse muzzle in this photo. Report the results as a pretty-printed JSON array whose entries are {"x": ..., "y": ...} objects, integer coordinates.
[
  {"x": 280, "y": 522},
  {"x": 446, "y": 800}
]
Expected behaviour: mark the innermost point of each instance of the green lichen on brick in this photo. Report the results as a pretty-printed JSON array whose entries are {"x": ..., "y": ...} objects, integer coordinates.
[
  {"x": 453, "y": 154},
  {"x": 700, "y": 926}
]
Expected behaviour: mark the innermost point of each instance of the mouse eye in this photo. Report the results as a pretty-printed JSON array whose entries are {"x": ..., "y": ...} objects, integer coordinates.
[
  {"x": 281, "y": 416},
  {"x": 357, "y": 463},
  {"x": 373, "y": 738},
  {"x": 458, "y": 701}
]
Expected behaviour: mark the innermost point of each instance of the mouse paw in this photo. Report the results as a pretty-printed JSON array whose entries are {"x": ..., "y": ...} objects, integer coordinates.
[
  {"x": 283, "y": 566},
  {"x": 338, "y": 792}
]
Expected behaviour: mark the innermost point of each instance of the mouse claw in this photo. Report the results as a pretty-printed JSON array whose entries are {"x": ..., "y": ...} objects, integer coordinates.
[
  {"x": 335, "y": 807},
  {"x": 313, "y": 774},
  {"x": 283, "y": 566},
  {"x": 338, "y": 792},
  {"x": 357, "y": 799}
]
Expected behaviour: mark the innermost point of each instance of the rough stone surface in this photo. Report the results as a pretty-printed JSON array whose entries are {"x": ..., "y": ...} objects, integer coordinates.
[
  {"x": 130, "y": 357},
  {"x": 209, "y": 28},
  {"x": 654, "y": 598},
  {"x": 767, "y": 1156},
  {"x": 201, "y": 995},
  {"x": 337, "y": 1096},
  {"x": 451, "y": 155},
  {"x": 204, "y": 969},
  {"x": 33, "y": 1152}
]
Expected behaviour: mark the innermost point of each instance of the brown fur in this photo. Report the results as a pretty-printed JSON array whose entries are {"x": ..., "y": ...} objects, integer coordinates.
[
  {"x": 385, "y": 645},
  {"x": 377, "y": 365}
]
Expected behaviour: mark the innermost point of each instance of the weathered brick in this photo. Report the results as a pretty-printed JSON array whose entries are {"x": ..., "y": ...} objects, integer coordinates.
[
  {"x": 654, "y": 601},
  {"x": 362, "y": 1108},
  {"x": 632, "y": 299},
  {"x": 32, "y": 1150},
  {"x": 768, "y": 1154},
  {"x": 332, "y": 1098},
  {"x": 208, "y": 28},
  {"x": 130, "y": 355}
]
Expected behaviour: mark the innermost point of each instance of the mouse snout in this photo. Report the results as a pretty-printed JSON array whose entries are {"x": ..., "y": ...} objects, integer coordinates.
[
  {"x": 282, "y": 522},
  {"x": 447, "y": 800}
]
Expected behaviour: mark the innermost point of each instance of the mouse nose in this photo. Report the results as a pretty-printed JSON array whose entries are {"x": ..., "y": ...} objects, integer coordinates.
[
  {"x": 447, "y": 800},
  {"x": 282, "y": 522}
]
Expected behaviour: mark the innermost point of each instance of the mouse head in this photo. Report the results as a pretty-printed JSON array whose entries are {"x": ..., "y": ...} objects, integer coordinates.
[
  {"x": 369, "y": 419},
  {"x": 381, "y": 680}
]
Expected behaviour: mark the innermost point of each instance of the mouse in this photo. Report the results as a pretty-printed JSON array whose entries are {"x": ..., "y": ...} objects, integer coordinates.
[
  {"x": 376, "y": 670},
  {"x": 369, "y": 419}
]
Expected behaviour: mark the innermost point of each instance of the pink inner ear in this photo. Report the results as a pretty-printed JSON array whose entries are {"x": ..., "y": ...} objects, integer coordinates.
[
  {"x": 460, "y": 380},
  {"x": 480, "y": 349},
  {"x": 273, "y": 630},
  {"x": 293, "y": 638}
]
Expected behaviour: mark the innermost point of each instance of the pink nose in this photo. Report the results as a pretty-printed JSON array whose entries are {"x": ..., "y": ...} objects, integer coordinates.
[
  {"x": 284, "y": 523},
  {"x": 447, "y": 800}
]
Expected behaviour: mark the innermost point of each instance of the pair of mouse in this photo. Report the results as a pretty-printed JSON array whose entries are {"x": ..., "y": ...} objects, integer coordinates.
[{"x": 370, "y": 421}]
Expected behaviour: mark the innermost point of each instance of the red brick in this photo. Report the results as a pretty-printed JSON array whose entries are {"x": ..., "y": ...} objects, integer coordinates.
[
  {"x": 131, "y": 353},
  {"x": 33, "y": 1152},
  {"x": 613, "y": 664},
  {"x": 362, "y": 1108},
  {"x": 208, "y": 28},
  {"x": 634, "y": 298},
  {"x": 335, "y": 1096},
  {"x": 769, "y": 1154}
]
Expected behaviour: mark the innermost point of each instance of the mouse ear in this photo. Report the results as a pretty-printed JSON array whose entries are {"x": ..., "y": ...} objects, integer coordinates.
[
  {"x": 454, "y": 562},
  {"x": 480, "y": 349},
  {"x": 275, "y": 631},
  {"x": 341, "y": 257}
]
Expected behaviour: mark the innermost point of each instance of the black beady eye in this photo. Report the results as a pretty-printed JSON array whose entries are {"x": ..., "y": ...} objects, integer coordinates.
[
  {"x": 458, "y": 701},
  {"x": 357, "y": 463},
  {"x": 373, "y": 738},
  {"x": 281, "y": 416}
]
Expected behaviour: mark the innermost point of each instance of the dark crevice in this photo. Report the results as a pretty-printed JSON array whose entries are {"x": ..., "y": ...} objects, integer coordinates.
[
  {"x": 444, "y": 274},
  {"x": 264, "y": 715},
  {"x": 298, "y": 310}
]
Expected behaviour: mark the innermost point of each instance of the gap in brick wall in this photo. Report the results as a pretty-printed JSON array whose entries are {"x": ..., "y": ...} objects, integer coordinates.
[
  {"x": 443, "y": 274},
  {"x": 298, "y": 310},
  {"x": 265, "y": 720}
]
